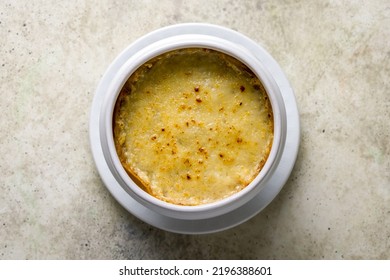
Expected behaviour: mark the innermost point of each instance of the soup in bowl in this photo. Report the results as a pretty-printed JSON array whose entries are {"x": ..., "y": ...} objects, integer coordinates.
[{"x": 193, "y": 126}]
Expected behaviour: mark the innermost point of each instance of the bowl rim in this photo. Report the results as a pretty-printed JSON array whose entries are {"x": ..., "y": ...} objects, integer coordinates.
[{"x": 181, "y": 42}]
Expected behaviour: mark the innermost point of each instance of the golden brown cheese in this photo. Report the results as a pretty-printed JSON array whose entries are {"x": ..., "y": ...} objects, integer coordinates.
[{"x": 194, "y": 125}]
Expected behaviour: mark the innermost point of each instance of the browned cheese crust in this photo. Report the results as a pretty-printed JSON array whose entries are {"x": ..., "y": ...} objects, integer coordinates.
[{"x": 193, "y": 126}]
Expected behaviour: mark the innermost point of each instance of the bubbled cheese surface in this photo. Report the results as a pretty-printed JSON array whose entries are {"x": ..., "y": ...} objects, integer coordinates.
[{"x": 194, "y": 125}]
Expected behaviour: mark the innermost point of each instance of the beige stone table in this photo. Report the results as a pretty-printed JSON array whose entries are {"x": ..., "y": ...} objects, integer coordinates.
[{"x": 336, "y": 204}]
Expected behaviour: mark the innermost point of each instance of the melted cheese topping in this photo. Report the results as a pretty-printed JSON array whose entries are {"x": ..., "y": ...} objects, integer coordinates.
[{"x": 194, "y": 126}]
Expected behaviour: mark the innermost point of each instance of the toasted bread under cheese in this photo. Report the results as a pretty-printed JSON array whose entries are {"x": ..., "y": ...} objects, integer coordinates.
[{"x": 194, "y": 125}]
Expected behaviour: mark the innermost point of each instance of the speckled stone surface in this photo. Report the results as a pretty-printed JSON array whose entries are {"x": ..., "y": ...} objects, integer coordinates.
[{"x": 336, "y": 204}]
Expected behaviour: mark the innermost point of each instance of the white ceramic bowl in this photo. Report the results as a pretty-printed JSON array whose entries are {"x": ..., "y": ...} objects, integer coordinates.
[{"x": 179, "y": 42}]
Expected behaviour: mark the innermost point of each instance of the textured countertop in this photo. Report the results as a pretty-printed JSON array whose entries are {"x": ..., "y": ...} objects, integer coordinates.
[{"x": 336, "y": 204}]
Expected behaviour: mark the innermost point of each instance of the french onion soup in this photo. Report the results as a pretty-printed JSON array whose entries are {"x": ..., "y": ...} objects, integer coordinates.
[{"x": 193, "y": 126}]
